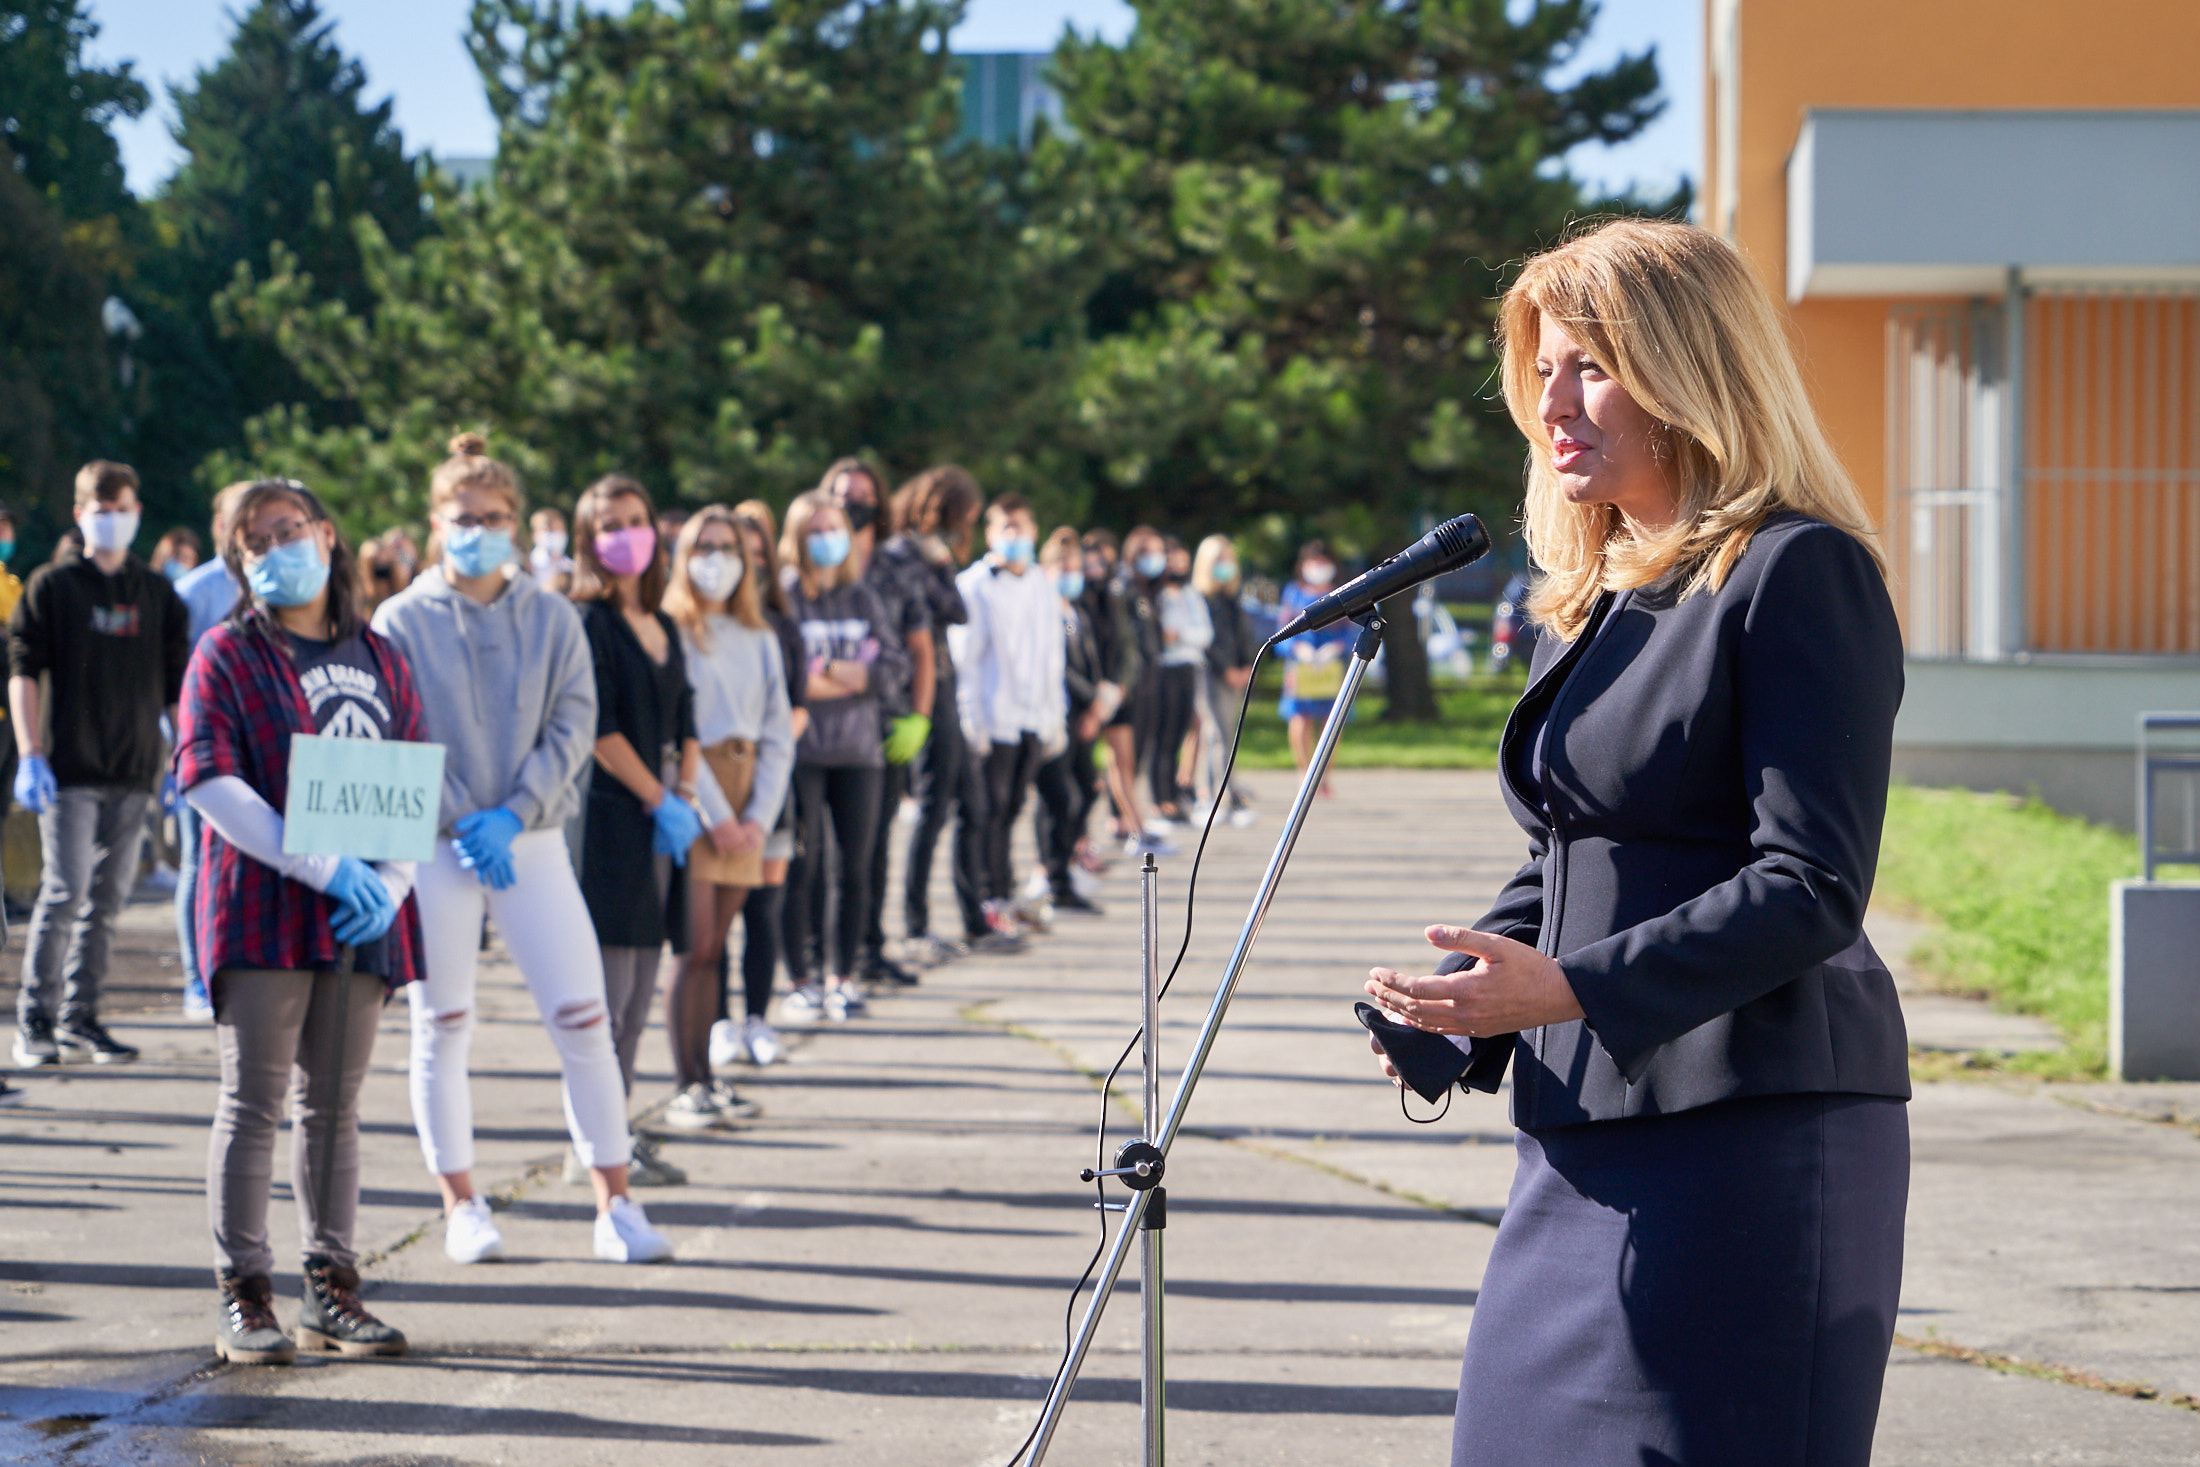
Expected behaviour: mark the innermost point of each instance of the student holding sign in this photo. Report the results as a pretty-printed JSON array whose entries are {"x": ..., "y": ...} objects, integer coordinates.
[
  {"x": 300, "y": 951},
  {"x": 510, "y": 691}
]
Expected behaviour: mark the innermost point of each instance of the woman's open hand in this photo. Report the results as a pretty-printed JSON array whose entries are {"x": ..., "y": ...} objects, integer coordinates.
[{"x": 1510, "y": 987}]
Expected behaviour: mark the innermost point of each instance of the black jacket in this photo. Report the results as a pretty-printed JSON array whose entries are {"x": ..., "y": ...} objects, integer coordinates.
[
  {"x": 1703, "y": 838},
  {"x": 115, "y": 647}
]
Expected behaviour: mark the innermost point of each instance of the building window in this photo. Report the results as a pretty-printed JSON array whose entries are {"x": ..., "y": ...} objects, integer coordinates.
[{"x": 2075, "y": 528}]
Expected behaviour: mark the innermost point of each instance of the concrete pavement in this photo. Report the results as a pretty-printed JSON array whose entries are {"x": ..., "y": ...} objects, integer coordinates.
[{"x": 875, "y": 1271}]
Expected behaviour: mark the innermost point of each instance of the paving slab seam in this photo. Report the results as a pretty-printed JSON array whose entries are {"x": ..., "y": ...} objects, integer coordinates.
[
  {"x": 1487, "y": 1216},
  {"x": 2048, "y": 1371},
  {"x": 2130, "y": 1113}
]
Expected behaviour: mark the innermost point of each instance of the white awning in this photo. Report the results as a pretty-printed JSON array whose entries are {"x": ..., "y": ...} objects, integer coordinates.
[{"x": 1901, "y": 202}]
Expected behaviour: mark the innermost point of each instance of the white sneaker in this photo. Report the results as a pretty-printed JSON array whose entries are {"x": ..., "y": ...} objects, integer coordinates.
[
  {"x": 1085, "y": 884},
  {"x": 1037, "y": 914},
  {"x": 623, "y": 1234},
  {"x": 845, "y": 1003},
  {"x": 470, "y": 1233},
  {"x": 761, "y": 1041},
  {"x": 1036, "y": 886},
  {"x": 803, "y": 1005},
  {"x": 693, "y": 1109},
  {"x": 1243, "y": 817},
  {"x": 727, "y": 1044}
]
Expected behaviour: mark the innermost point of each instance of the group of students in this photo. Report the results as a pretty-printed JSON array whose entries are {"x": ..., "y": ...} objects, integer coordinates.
[{"x": 653, "y": 727}]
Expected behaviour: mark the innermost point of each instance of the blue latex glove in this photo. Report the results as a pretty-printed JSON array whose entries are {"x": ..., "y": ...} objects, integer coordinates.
[
  {"x": 35, "y": 789},
  {"x": 483, "y": 841},
  {"x": 678, "y": 827},
  {"x": 171, "y": 798},
  {"x": 364, "y": 909}
]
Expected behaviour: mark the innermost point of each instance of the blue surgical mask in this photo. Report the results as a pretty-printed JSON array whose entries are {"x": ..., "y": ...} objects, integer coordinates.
[
  {"x": 1071, "y": 584},
  {"x": 828, "y": 548},
  {"x": 476, "y": 550},
  {"x": 288, "y": 575},
  {"x": 1017, "y": 550},
  {"x": 1152, "y": 564},
  {"x": 1225, "y": 572},
  {"x": 174, "y": 570},
  {"x": 7, "y": 551}
]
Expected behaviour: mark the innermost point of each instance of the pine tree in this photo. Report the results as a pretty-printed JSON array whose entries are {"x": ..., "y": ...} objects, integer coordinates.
[
  {"x": 69, "y": 233},
  {"x": 1306, "y": 210},
  {"x": 282, "y": 151},
  {"x": 722, "y": 245}
]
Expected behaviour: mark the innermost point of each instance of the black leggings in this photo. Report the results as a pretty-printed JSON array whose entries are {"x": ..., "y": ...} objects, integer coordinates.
[
  {"x": 850, "y": 797},
  {"x": 1068, "y": 789},
  {"x": 760, "y": 918},
  {"x": 1177, "y": 707}
]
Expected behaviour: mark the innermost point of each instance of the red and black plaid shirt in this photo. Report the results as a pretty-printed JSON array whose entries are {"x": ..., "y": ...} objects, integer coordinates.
[{"x": 241, "y": 703}]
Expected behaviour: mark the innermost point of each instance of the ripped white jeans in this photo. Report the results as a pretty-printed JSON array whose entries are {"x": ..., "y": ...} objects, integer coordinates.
[{"x": 545, "y": 926}]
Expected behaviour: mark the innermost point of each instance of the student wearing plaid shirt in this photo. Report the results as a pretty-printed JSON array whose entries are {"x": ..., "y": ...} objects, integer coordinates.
[{"x": 300, "y": 951}]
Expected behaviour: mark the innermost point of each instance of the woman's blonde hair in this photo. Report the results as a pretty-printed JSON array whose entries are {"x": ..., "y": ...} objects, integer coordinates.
[
  {"x": 1211, "y": 550},
  {"x": 794, "y": 544},
  {"x": 1677, "y": 318},
  {"x": 683, "y": 605}
]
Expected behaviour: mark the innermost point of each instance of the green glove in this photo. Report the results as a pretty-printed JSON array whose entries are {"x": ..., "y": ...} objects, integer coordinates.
[{"x": 907, "y": 739}]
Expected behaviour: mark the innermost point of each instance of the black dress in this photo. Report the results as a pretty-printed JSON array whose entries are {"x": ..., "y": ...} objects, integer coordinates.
[
  {"x": 631, "y": 895},
  {"x": 1702, "y": 1253}
]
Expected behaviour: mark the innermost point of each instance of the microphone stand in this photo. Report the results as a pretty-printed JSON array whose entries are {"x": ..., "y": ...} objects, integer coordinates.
[{"x": 1141, "y": 1162}]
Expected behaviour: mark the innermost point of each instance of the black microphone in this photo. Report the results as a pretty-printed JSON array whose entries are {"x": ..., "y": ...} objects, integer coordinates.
[{"x": 1450, "y": 545}]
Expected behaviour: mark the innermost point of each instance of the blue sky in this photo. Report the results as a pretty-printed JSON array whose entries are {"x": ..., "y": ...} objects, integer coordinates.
[{"x": 412, "y": 51}]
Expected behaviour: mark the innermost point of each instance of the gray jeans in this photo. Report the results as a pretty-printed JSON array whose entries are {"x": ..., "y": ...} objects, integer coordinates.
[
  {"x": 89, "y": 838},
  {"x": 629, "y": 983},
  {"x": 307, "y": 1037}
]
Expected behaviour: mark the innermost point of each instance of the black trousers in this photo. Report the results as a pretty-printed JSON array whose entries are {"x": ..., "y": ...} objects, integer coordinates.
[
  {"x": 1176, "y": 708},
  {"x": 1068, "y": 788},
  {"x": 1007, "y": 770},
  {"x": 946, "y": 785},
  {"x": 893, "y": 785},
  {"x": 848, "y": 797}
]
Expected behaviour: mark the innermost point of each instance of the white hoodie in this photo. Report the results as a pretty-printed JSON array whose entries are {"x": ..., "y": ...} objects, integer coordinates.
[{"x": 1009, "y": 656}]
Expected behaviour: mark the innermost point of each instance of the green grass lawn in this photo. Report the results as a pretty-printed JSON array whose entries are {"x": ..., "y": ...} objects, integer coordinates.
[
  {"x": 2021, "y": 896},
  {"x": 1466, "y": 738}
]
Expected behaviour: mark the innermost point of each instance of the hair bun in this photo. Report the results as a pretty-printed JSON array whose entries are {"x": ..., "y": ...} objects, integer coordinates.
[{"x": 469, "y": 445}]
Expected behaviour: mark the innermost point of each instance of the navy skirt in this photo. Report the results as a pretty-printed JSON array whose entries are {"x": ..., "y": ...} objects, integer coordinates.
[{"x": 1715, "y": 1288}]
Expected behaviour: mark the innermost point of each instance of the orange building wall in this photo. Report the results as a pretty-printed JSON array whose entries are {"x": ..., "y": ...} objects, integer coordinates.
[{"x": 1798, "y": 54}]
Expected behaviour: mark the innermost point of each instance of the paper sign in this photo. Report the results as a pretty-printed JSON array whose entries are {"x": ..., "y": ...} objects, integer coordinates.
[{"x": 376, "y": 799}]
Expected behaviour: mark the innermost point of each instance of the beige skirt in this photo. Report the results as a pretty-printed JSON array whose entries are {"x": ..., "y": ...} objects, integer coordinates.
[{"x": 733, "y": 764}]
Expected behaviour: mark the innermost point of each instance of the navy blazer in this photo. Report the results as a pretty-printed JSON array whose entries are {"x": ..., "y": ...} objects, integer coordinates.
[{"x": 1703, "y": 839}]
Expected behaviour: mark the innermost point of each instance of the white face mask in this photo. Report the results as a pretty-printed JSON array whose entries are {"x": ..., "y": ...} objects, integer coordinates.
[
  {"x": 715, "y": 574},
  {"x": 1318, "y": 573},
  {"x": 551, "y": 541},
  {"x": 108, "y": 529}
]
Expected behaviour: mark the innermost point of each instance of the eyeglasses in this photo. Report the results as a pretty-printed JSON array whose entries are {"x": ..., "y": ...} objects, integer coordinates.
[
  {"x": 496, "y": 519},
  {"x": 285, "y": 533}
]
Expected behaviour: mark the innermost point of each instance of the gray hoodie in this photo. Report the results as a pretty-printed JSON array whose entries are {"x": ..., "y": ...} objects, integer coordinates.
[{"x": 509, "y": 691}]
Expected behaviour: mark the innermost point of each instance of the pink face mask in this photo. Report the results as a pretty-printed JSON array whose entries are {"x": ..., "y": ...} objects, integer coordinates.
[{"x": 627, "y": 552}]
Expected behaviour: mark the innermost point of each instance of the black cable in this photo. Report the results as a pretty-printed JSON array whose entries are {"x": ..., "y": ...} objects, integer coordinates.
[{"x": 1100, "y": 1148}]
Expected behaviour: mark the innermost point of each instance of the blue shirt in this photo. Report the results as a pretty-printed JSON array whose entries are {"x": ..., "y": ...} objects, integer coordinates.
[{"x": 208, "y": 592}]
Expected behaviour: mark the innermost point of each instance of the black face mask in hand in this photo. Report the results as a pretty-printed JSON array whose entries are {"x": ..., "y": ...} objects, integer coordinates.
[{"x": 861, "y": 516}]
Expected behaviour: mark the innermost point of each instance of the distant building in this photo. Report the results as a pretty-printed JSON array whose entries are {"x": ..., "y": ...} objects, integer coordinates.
[
  {"x": 1004, "y": 96},
  {"x": 1985, "y": 216},
  {"x": 468, "y": 173}
]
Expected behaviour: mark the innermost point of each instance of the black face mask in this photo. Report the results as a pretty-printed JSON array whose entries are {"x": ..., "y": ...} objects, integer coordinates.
[{"x": 861, "y": 516}]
